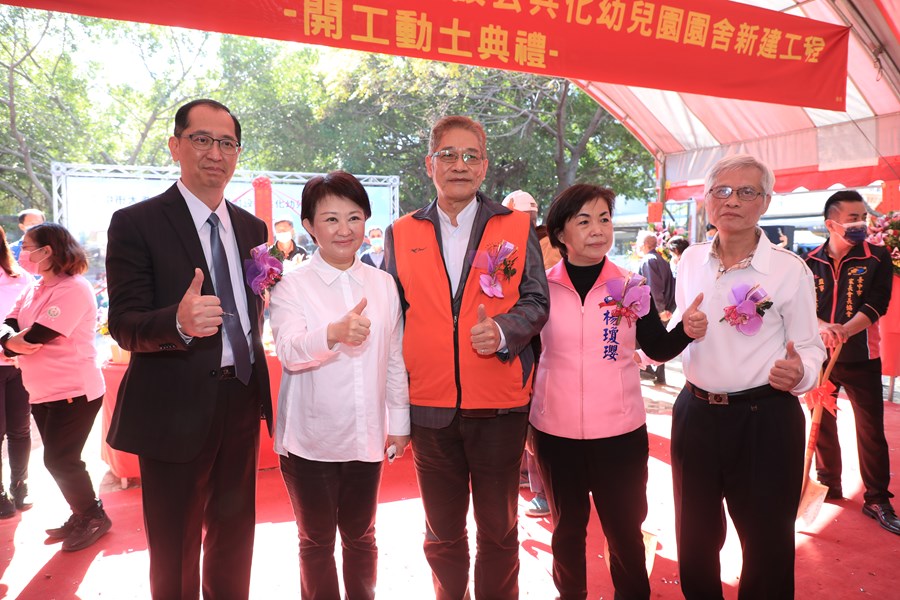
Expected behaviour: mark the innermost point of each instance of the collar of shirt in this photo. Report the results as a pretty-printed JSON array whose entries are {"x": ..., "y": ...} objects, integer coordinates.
[
  {"x": 329, "y": 274},
  {"x": 744, "y": 262},
  {"x": 200, "y": 211},
  {"x": 455, "y": 240}
]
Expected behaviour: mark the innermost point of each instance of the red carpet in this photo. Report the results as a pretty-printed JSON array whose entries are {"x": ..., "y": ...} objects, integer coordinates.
[{"x": 844, "y": 554}]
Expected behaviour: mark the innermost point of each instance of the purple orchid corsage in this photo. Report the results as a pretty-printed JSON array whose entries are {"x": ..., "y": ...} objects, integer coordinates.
[
  {"x": 750, "y": 304},
  {"x": 498, "y": 261},
  {"x": 630, "y": 297},
  {"x": 263, "y": 270}
]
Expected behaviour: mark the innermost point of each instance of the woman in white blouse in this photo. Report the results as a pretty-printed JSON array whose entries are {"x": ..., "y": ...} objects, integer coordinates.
[{"x": 344, "y": 396}]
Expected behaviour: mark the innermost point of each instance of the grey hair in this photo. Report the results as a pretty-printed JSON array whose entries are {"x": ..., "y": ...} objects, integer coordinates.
[{"x": 741, "y": 161}]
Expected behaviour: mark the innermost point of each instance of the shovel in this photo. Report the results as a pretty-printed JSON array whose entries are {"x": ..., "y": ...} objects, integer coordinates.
[{"x": 812, "y": 494}]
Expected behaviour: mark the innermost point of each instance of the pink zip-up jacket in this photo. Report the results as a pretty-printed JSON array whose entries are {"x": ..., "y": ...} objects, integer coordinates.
[{"x": 579, "y": 391}]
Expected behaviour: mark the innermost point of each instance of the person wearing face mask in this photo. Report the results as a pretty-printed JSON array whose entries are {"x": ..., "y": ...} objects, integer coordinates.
[
  {"x": 51, "y": 329},
  {"x": 853, "y": 289},
  {"x": 284, "y": 248},
  {"x": 375, "y": 255}
]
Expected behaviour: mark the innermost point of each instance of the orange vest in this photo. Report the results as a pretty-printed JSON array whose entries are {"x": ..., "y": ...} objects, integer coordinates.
[{"x": 443, "y": 367}]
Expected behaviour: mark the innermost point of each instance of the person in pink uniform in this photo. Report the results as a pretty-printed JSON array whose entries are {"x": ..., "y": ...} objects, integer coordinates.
[
  {"x": 15, "y": 412},
  {"x": 51, "y": 329},
  {"x": 587, "y": 414}
]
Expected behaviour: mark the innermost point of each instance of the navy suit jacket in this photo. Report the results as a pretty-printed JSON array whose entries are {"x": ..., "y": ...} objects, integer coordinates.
[{"x": 167, "y": 396}]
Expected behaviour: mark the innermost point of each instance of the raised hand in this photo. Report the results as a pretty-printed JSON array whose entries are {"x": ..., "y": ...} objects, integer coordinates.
[
  {"x": 199, "y": 315},
  {"x": 787, "y": 372},
  {"x": 694, "y": 319},
  {"x": 485, "y": 334},
  {"x": 352, "y": 329}
]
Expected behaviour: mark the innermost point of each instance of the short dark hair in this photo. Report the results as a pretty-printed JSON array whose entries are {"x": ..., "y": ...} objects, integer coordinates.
[
  {"x": 568, "y": 203},
  {"x": 181, "y": 116},
  {"x": 445, "y": 124},
  {"x": 68, "y": 255},
  {"x": 838, "y": 197},
  {"x": 28, "y": 211},
  {"x": 678, "y": 244},
  {"x": 336, "y": 183}
]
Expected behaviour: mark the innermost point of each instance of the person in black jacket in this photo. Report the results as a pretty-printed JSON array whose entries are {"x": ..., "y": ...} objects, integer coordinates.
[{"x": 853, "y": 289}]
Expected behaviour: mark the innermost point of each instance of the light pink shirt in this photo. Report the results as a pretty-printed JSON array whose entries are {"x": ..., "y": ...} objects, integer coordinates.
[
  {"x": 66, "y": 366},
  {"x": 10, "y": 289}
]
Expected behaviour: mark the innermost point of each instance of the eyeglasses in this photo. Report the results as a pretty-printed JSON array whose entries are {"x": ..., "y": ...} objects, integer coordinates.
[
  {"x": 745, "y": 194},
  {"x": 201, "y": 141},
  {"x": 451, "y": 155}
]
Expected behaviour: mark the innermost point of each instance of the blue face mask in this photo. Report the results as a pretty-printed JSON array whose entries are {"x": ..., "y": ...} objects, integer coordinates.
[{"x": 855, "y": 233}]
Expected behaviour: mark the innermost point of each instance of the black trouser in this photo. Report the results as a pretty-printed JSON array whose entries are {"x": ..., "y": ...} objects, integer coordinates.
[
  {"x": 488, "y": 453},
  {"x": 15, "y": 423},
  {"x": 614, "y": 472},
  {"x": 750, "y": 454},
  {"x": 862, "y": 380},
  {"x": 65, "y": 426},
  {"x": 210, "y": 498},
  {"x": 327, "y": 496}
]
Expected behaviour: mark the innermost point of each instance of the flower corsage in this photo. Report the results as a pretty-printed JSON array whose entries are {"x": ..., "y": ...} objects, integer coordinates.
[
  {"x": 263, "y": 270},
  {"x": 630, "y": 296},
  {"x": 750, "y": 304},
  {"x": 497, "y": 260}
]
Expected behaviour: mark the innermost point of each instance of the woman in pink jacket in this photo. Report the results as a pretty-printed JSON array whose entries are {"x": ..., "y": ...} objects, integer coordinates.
[{"x": 590, "y": 433}]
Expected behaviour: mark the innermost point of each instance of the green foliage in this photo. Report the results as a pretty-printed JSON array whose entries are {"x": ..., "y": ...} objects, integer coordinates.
[{"x": 302, "y": 109}]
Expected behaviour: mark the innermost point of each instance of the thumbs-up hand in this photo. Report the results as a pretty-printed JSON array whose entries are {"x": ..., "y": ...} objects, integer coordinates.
[
  {"x": 485, "y": 334},
  {"x": 352, "y": 329},
  {"x": 694, "y": 319},
  {"x": 787, "y": 372},
  {"x": 199, "y": 315}
]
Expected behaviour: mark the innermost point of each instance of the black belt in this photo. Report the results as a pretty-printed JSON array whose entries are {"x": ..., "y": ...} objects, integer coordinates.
[
  {"x": 723, "y": 399},
  {"x": 487, "y": 413},
  {"x": 227, "y": 372}
]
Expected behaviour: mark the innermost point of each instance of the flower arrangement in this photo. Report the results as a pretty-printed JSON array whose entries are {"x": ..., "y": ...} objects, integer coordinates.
[
  {"x": 885, "y": 231},
  {"x": 263, "y": 270},
  {"x": 750, "y": 304},
  {"x": 497, "y": 260},
  {"x": 630, "y": 296}
]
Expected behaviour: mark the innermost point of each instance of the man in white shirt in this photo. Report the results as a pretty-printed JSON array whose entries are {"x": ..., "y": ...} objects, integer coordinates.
[
  {"x": 474, "y": 291},
  {"x": 738, "y": 431}
]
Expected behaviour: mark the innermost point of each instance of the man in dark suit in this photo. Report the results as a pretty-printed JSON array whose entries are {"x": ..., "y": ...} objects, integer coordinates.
[{"x": 190, "y": 402}]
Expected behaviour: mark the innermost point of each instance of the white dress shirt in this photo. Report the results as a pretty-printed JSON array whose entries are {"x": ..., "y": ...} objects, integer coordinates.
[
  {"x": 338, "y": 404},
  {"x": 455, "y": 240},
  {"x": 725, "y": 360},
  {"x": 200, "y": 213}
]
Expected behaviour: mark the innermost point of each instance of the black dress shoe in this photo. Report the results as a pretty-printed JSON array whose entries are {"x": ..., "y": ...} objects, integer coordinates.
[
  {"x": 834, "y": 493},
  {"x": 884, "y": 514}
]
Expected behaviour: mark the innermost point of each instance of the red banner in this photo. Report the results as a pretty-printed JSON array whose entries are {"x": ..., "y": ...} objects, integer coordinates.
[{"x": 709, "y": 47}]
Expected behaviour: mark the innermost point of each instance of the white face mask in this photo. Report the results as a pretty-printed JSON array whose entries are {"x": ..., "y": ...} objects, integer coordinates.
[
  {"x": 376, "y": 243},
  {"x": 283, "y": 237}
]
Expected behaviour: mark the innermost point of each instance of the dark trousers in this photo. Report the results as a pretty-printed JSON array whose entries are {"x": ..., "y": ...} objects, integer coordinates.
[
  {"x": 614, "y": 472},
  {"x": 486, "y": 452},
  {"x": 213, "y": 498},
  {"x": 64, "y": 426},
  {"x": 862, "y": 380},
  {"x": 749, "y": 453},
  {"x": 329, "y": 496},
  {"x": 15, "y": 423}
]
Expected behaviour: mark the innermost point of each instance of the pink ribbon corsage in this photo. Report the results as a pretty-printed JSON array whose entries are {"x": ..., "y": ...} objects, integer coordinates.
[
  {"x": 630, "y": 297},
  {"x": 498, "y": 261},
  {"x": 263, "y": 270},
  {"x": 750, "y": 304}
]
